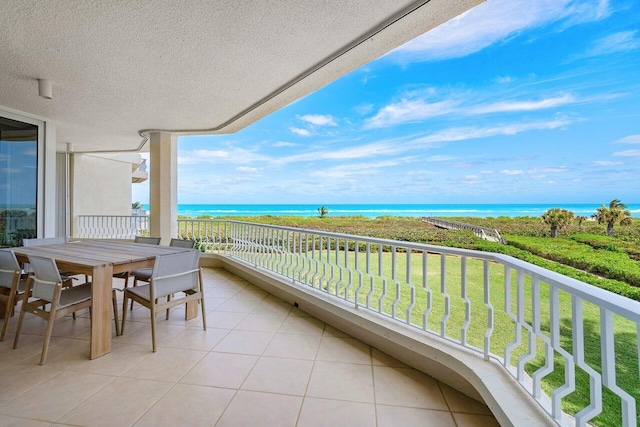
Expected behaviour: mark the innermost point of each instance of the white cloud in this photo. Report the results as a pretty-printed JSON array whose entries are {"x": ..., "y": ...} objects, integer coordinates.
[
  {"x": 493, "y": 22},
  {"x": 300, "y": 131},
  {"x": 439, "y": 158},
  {"x": 605, "y": 163},
  {"x": 358, "y": 169},
  {"x": 504, "y": 79},
  {"x": 627, "y": 153},
  {"x": 319, "y": 119},
  {"x": 509, "y": 106},
  {"x": 409, "y": 111},
  {"x": 363, "y": 109},
  {"x": 233, "y": 155},
  {"x": 247, "y": 169},
  {"x": 630, "y": 139},
  {"x": 623, "y": 41},
  {"x": 512, "y": 172},
  {"x": 280, "y": 144}
]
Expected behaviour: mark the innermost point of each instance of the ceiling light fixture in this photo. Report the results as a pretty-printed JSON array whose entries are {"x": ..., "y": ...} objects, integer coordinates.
[{"x": 44, "y": 88}]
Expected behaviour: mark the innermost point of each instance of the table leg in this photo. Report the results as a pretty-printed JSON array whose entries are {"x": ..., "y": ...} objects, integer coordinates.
[{"x": 101, "y": 311}]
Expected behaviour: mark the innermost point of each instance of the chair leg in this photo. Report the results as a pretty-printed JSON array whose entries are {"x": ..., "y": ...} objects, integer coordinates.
[
  {"x": 114, "y": 303},
  {"x": 20, "y": 319},
  {"x": 153, "y": 328},
  {"x": 47, "y": 336},
  {"x": 168, "y": 300},
  {"x": 124, "y": 312},
  {"x": 7, "y": 313},
  {"x": 135, "y": 283}
]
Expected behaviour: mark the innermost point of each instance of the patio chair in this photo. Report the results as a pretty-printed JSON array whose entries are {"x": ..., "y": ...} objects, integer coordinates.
[
  {"x": 126, "y": 274},
  {"x": 45, "y": 284},
  {"x": 12, "y": 281},
  {"x": 144, "y": 274},
  {"x": 67, "y": 280},
  {"x": 172, "y": 274}
]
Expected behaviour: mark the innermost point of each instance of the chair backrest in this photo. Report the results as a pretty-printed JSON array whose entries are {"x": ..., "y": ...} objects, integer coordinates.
[
  {"x": 175, "y": 273},
  {"x": 180, "y": 243},
  {"x": 8, "y": 267},
  {"x": 44, "y": 241},
  {"x": 147, "y": 240},
  {"x": 45, "y": 277}
]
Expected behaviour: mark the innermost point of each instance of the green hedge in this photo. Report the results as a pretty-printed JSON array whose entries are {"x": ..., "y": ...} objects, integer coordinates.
[
  {"x": 615, "y": 286},
  {"x": 612, "y": 265},
  {"x": 612, "y": 244}
]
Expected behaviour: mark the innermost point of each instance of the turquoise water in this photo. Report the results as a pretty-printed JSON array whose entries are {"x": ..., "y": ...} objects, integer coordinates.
[{"x": 376, "y": 210}]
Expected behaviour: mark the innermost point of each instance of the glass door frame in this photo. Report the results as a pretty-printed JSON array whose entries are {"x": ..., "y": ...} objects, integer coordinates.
[{"x": 40, "y": 188}]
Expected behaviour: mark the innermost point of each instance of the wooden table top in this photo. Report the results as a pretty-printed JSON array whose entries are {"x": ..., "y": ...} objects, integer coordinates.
[{"x": 96, "y": 253}]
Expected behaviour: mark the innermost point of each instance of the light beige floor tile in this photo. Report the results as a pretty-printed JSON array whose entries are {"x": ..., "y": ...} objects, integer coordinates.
[
  {"x": 393, "y": 416},
  {"x": 16, "y": 379},
  {"x": 238, "y": 305},
  {"x": 298, "y": 312},
  {"x": 6, "y": 421},
  {"x": 167, "y": 364},
  {"x": 29, "y": 345},
  {"x": 198, "y": 339},
  {"x": 120, "y": 403},
  {"x": 53, "y": 398},
  {"x": 220, "y": 319},
  {"x": 346, "y": 350},
  {"x": 250, "y": 408},
  {"x": 222, "y": 292},
  {"x": 65, "y": 354},
  {"x": 244, "y": 342},
  {"x": 122, "y": 357},
  {"x": 277, "y": 375},
  {"x": 293, "y": 346},
  {"x": 333, "y": 332},
  {"x": 164, "y": 333},
  {"x": 213, "y": 303},
  {"x": 407, "y": 387},
  {"x": 379, "y": 358},
  {"x": 188, "y": 405},
  {"x": 331, "y": 413},
  {"x": 474, "y": 420},
  {"x": 221, "y": 370},
  {"x": 342, "y": 381},
  {"x": 302, "y": 326},
  {"x": 276, "y": 308},
  {"x": 251, "y": 293},
  {"x": 459, "y": 402},
  {"x": 261, "y": 322}
]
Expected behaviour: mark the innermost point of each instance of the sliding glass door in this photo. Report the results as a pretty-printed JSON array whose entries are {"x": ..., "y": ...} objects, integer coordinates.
[{"x": 19, "y": 143}]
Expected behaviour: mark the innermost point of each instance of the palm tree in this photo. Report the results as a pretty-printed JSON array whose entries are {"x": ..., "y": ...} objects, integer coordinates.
[
  {"x": 557, "y": 219},
  {"x": 322, "y": 210},
  {"x": 616, "y": 212},
  {"x": 581, "y": 219}
]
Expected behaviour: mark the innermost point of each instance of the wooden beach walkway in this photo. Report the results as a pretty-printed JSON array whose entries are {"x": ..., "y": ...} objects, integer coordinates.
[{"x": 486, "y": 233}]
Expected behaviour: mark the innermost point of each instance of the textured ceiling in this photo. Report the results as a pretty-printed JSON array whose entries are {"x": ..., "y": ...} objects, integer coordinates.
[{"x": 197, "y": 66}]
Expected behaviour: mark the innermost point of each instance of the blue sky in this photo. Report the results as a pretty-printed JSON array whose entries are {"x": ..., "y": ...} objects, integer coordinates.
[{"x": 516, "y": 101}]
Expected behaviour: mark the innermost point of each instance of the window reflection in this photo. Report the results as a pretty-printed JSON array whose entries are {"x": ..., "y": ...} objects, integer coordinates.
[{"x": 18, "y": 181}]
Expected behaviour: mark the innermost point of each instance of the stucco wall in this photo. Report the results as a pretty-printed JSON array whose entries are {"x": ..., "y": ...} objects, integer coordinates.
[{"x": 99, "y": 186}]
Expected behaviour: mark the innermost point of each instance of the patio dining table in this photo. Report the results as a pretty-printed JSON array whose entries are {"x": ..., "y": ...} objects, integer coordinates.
[{"x": 99, "y": 259}]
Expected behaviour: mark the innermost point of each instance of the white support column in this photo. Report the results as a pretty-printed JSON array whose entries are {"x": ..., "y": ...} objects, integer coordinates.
[{"x": 163, "y": 185}]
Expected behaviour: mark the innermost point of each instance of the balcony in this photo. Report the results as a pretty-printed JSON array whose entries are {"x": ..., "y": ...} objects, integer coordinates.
[
  {"x": 261, "y": 361},
  {"x": 515, "y": 336}
]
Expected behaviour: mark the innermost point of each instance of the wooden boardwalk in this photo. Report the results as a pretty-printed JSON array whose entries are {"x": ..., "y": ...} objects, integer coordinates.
[{"x": 486, "y": 233}]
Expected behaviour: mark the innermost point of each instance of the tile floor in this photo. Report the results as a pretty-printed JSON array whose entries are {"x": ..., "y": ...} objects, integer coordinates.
[{"x": 261, "y": 362}]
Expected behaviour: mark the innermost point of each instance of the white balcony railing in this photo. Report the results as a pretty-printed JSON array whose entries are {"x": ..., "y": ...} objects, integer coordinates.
[
  {"x": 544, "y": 328},
  {"x": 551, "y": 332},
  {"x": 111, "y": 226}
]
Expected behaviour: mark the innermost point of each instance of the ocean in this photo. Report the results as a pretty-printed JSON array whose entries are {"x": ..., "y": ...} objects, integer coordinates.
[{"x": 376, "y": 210}]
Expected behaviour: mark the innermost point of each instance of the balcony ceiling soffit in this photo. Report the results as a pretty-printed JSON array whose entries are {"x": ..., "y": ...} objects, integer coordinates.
[{"x": 121, "y": 66}]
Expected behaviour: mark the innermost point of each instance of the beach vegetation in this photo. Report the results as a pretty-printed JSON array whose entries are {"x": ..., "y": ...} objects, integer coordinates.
[
  {"x": 616, "y": 212},
  {"x": 323, "y": 211},
  {"x": 557, "y": 219}
]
